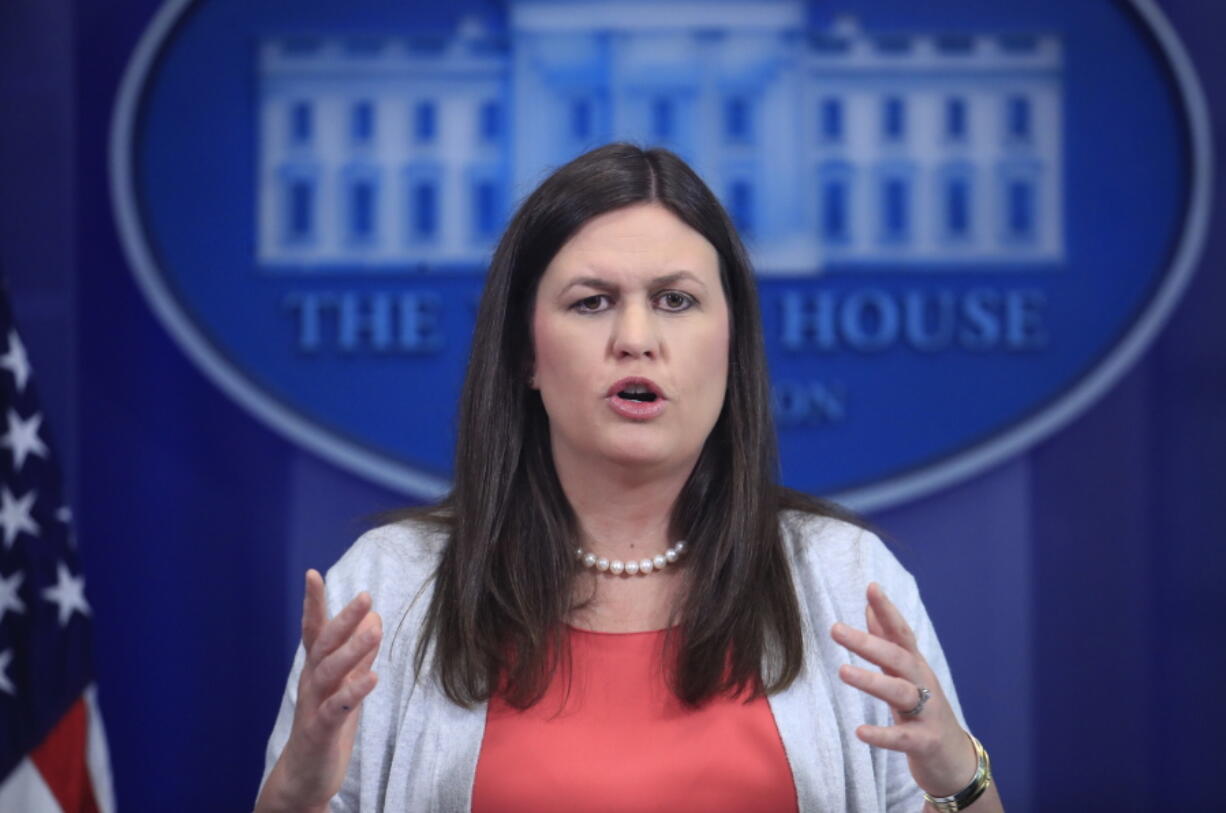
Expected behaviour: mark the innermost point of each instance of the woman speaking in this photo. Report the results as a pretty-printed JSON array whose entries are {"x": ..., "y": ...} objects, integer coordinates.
[{"x": 618, "y": 608}]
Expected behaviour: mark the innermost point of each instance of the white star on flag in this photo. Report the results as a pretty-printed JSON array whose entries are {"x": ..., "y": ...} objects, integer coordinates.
[
  {"x": 23, "y": 439},
  {"x": 9, "y": 600},
  {"x": 15, "y": 515},
  {"x": 68, "y": 592},
  {"x": 16, "y": 361},
  {"x": 6, "y": 685}
]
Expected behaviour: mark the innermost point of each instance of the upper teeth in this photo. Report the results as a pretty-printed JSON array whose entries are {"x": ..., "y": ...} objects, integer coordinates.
[{"x": 636, "y": 388}]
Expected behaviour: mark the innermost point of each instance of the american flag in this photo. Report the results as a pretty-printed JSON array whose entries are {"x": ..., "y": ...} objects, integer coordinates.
[{"x": 53, "y": 754}]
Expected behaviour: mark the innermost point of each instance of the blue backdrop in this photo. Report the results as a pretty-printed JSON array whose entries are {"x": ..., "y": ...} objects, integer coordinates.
[{"x": 1076, "y": 587}]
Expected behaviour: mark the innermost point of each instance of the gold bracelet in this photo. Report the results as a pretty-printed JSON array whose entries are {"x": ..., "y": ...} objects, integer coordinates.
[{"x": 979, "y": 783}]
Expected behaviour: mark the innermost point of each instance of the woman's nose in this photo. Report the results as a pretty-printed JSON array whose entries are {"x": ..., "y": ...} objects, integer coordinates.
[{"x": 634, "y": 333}]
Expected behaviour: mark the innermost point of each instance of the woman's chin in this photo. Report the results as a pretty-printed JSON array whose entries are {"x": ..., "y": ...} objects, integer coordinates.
[
  {"x": 649, "y": 449},
  {"x": 638, "y": 454}
]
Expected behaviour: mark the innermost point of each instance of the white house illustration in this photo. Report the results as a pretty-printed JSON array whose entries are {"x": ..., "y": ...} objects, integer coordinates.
[{"x": 834, "y": 150}]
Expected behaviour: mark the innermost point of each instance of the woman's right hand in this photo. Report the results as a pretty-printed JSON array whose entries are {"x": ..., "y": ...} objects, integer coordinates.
[{"x": 335, "y": 678}]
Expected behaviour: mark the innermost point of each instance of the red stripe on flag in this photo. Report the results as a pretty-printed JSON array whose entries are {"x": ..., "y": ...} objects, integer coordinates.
[{"x": 60, "y": 758}]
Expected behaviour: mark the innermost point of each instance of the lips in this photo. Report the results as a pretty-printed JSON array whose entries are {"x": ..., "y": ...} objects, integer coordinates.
[
  {"x": 638, "y": 399},
  {"x": 629, "y": 385}
]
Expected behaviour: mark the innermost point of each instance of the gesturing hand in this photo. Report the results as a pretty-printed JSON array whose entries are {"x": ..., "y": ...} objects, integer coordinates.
[
  {"x": 335, "y": 678},
  {"x": 939, "y": 753}
]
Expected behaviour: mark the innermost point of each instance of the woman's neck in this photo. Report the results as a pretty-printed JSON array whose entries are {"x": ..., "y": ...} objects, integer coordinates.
[{"x": 623, "y": 514}]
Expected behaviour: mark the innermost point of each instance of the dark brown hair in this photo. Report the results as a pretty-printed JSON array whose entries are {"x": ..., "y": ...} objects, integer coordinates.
[{"x": 504, "y": 584}]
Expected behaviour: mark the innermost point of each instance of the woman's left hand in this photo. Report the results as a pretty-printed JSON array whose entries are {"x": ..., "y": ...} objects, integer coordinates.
[{"x": 939, "y": 753}]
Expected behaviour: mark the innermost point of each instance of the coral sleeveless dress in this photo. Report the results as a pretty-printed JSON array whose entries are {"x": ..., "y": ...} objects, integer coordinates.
[{"x": 622, "y": 742}]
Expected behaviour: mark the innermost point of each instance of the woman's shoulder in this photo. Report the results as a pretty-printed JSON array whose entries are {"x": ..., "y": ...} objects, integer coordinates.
[
  {"x": 391, "y": 561},
  {"x": 842, "y": 550}
]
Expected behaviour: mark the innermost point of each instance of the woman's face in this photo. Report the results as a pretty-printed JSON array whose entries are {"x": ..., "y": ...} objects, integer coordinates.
[{"x": 631, "y": 330}]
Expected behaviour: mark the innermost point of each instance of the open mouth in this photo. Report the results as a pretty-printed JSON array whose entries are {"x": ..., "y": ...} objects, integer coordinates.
[
  {"x": 637, "y": 393},
  {"x": 636, "y": 398}
]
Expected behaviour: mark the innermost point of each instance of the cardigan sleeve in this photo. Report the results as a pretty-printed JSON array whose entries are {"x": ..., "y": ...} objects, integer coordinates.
[
  {"x": 340, "y": 585},
  {"x": 833, "y": 563},
  {"x": 902, "y": 794}
]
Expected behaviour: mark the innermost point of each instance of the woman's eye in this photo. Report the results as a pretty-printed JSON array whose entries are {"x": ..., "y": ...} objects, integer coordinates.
[
  {"x": 675, "y": 301},
  {"x": 590, "y": 304}
]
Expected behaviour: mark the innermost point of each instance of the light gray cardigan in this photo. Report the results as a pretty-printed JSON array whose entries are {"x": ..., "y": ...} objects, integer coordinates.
[{"x": 417, "y": 751}]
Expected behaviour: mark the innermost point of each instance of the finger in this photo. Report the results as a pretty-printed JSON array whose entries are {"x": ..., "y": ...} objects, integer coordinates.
[
  {"x": 874, "y": 626},
  {"x": 337, "y": 708},
  {"x": 900, "y": 694},
  {"x": 895, "y": 626},
  {"x": 340, "y": 628},
  {"x": 314, "y": 609},
  {"x": 918, "y": 741},
  {"x": 888, "y": 655},
  {"x": 369, "y": 658},
  {"x": 330, "y": 671},
  {"x": 366, "y": 662}
]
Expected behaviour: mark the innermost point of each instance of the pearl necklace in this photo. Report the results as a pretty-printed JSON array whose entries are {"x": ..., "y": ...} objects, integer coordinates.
[{"x": 631, "y": 568}]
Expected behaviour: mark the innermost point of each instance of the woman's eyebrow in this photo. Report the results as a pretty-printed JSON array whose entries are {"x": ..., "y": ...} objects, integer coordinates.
[
  {"x": 589, "y": 282},
  {"x": 605, "y": 285},
  {"x": 677, "y": 276}
]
